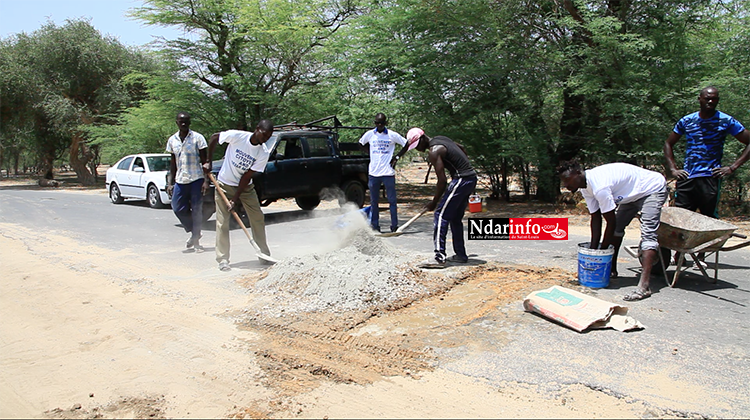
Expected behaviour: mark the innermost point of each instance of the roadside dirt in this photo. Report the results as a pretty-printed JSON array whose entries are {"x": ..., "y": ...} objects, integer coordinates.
[
  {"x": 301, "y": 351},
  {"x": 79, "y": 342}
]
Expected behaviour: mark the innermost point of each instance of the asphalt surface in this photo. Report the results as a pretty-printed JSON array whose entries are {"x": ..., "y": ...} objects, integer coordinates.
[{"x": 692, "y": 358}]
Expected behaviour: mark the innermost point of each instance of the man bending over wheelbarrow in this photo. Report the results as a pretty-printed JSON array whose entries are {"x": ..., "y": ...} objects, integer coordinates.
[{"x": 617, "y": 192}]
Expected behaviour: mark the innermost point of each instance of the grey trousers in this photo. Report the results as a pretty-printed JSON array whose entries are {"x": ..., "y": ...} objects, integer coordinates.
[{"x": 650, "y": 208}]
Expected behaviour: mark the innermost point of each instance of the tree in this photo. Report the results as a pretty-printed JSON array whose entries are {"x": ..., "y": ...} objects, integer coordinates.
[
  {"x": 253, "y": 52},
  {"x": 71, "y": 78},
  {"x": 146, "y": 126},
  {"x": 593, "y": 80}
]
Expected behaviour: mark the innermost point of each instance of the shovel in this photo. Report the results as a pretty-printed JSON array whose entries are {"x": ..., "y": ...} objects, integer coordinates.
[
  {"x": 258, "y": 252},
  {"x": 400, "y": 231}
]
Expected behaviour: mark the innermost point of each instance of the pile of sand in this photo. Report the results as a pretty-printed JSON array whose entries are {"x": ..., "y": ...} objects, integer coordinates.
[{"x": 361, "y": 271}]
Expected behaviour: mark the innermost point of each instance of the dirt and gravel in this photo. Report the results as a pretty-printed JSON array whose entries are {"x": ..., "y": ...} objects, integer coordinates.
[{"x": 351, "y": 330}]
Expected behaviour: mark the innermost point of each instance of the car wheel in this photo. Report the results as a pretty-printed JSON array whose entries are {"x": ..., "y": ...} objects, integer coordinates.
[
  {"x": 354, "y": 192},
  {"x": 153, "y": 197},
  {"x": 114, "y": 194},
  {"x": 308, "y": 202}
]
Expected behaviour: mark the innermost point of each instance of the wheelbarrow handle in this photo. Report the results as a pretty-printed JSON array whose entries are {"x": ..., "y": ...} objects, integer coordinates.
[{"x": 709, "y": 244}]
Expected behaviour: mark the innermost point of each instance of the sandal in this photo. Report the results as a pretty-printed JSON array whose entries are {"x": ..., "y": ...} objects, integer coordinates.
[
  {"x": 637, "y": 294},
  {"x": 432, "y": 264}
]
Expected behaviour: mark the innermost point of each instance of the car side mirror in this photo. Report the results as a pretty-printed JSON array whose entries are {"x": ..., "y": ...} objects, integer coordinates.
[
  {"x": 279, "y": 156},
  {"x": 138, "y": 169}
]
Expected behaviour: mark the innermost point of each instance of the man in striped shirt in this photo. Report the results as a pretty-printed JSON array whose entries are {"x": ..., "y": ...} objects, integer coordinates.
[
  {"x": 186, "y": 181},
  {"x": 699, "y": 180}
]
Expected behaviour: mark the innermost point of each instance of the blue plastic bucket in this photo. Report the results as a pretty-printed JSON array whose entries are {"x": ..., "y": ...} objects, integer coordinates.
[{"x": 594, "y": 266}]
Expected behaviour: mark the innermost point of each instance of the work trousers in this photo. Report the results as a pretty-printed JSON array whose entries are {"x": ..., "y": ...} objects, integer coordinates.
[
  {"x": 390, "y": 193},
  {"x": 449, "y": 214},
  {"x": 187, "y": 204},
  {"x": 251, "y": 204},
  {"x": 650, "y": 208}
]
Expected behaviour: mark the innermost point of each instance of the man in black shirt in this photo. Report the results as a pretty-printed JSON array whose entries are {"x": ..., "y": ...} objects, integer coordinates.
[{"x": 451, "y": 199}]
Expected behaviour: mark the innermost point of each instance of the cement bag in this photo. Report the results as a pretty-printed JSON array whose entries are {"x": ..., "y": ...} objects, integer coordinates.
[{"x": 579, "y": 311}]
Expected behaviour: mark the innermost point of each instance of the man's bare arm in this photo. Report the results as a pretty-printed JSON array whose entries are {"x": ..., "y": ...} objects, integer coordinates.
[
  {"x": 609, "y": 231},
  {"x": 744, "y": 138},
  {"x": 435, "y": 155},
  {"x": 680, "y": 174},
  {"x": 172, "y": 173},
  {"x": 213, "y": 141},
  {"x": 596, "y": 229}
]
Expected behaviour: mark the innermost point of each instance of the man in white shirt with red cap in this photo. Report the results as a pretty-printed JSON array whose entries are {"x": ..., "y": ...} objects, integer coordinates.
[{"x": 382, "y": 143}]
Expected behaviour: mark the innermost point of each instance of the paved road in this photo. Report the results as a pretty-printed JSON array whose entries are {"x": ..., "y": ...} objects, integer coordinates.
[{"x": 692, "y": 357}]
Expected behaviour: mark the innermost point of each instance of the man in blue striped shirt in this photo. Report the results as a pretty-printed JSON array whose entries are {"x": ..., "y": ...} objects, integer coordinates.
[{"x": 699, "y": 181}]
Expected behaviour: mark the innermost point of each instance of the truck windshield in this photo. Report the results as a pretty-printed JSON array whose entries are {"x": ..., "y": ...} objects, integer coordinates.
[{"x": 271, "y": 143}]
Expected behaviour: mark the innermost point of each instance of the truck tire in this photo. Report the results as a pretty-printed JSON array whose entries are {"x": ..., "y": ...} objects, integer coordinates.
[
  {"x": 354, "y": 192},
  {"x": 307, "y": 203}
]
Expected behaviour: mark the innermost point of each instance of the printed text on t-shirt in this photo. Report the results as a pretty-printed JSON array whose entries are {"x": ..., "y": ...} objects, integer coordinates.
[{"x": 243, "y": 160}]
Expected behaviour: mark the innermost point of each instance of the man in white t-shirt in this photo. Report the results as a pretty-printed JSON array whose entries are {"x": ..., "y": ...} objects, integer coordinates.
[
  {"x": 617, "y": 192},
  {"x": 382, "y": 143},
  {"x": 246, "y": 155}
]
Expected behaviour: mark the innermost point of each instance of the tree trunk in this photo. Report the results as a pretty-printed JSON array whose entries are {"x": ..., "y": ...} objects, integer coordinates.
[
  {"x": 526, "y": 181},
  {"x": 46, "y": 166},
  {"x": 15, "y": 162},
  {"x": 504, "y": 183},
  {"x": 80, "y": 156},
  {"x": 571, "y": 125}
]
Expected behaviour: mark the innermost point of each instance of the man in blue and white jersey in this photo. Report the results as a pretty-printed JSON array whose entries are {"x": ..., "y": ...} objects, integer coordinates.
[{"x": 699, "y": 180}]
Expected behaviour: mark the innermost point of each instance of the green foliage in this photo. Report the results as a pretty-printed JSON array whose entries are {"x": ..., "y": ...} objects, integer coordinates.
[
  {"x": 146, "y": 127},
  {"x": 523, "y": 85},
  {"x": 254, "y": 52},
  {"x": 56, "y": 82}
]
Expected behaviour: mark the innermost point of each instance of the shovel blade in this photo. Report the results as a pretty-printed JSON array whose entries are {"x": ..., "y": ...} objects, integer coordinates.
[{"x": 266, "y": 258}]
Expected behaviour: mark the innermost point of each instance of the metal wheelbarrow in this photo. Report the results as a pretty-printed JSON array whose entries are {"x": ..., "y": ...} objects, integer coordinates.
[{"x": 690, "y": 233}]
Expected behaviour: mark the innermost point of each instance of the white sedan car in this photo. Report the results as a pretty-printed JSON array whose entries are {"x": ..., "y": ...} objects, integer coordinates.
[{"x": 142, "y": 176}]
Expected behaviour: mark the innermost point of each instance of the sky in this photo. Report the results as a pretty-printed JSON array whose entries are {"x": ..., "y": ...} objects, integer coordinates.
[{"x": 108, "y": 16}]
